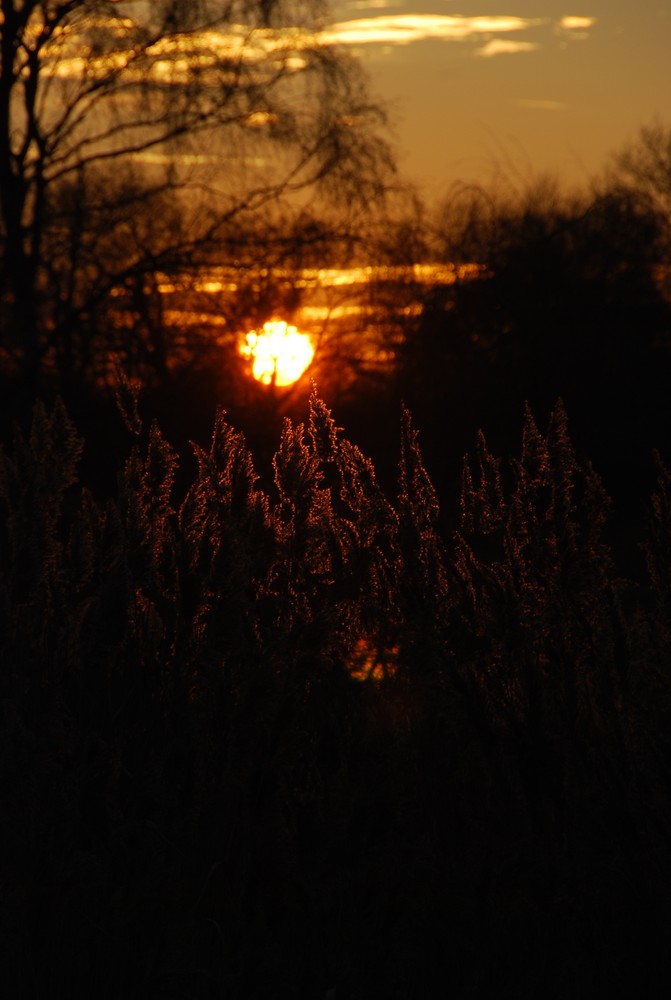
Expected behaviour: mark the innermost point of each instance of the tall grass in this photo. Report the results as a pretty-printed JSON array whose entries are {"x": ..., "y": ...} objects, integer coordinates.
[{"x": 267, "y": 744}]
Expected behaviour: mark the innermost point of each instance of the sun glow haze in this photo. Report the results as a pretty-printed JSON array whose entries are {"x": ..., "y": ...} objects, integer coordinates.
[{"x": 279, "y": 353}]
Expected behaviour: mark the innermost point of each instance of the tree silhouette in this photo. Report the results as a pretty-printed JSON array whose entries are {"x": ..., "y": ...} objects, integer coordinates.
[
  {"x": 644, "y": 167},
  {"x": 568, "y": 303},
  {"x": 137, "y": 138}
]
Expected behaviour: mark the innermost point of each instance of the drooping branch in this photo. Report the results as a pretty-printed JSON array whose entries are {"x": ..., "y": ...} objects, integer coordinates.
[{"x": 223, "y": 106}]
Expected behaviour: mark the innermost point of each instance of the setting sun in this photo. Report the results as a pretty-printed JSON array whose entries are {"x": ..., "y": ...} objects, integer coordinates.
[{"x": 279, "y": 353}]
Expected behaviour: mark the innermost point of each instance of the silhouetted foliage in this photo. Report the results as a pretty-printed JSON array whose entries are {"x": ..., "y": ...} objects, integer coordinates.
[
  {"x": 643, "y": 169},
  {"x": 141, "y": 143},
  {"x": 278, "y": 743},
  {"x": 570, "y": 301}
]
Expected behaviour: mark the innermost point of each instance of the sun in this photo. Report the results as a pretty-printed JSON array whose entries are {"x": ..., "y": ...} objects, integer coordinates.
[{"x": 279, "y": 352}]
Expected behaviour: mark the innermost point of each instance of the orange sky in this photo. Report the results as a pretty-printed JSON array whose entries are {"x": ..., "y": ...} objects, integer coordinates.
[{"x": 527, "y": 88}]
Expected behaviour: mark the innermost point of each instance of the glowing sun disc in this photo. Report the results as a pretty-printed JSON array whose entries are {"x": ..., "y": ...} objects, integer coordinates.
[{"x": 279, "y": 352}]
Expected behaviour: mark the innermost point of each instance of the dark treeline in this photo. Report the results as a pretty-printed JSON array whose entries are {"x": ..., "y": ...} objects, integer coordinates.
[
  {"x": 573, "y": 302},
  {"x": 290, "y": 743}
]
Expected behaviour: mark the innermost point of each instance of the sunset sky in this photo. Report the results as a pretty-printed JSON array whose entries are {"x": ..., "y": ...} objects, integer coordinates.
[{"x": 535, "y": 88}]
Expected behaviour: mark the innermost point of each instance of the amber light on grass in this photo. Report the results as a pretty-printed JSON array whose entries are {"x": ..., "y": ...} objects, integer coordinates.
[
  {"x": 279, "y": 353},
  {"x": 370, "y": 662}
]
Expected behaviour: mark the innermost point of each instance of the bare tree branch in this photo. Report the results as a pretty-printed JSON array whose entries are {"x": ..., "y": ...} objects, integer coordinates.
[{"x": 136, "y": 105}]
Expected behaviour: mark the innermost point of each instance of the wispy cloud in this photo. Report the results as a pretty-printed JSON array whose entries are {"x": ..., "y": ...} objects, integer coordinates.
[
  {"x": 216, "y": 56},
  {"x": 374, "y": 4},
  {"x": 575, "y": 27},
  {"x": 505, "y": 46},
  {"x": 572, "y": 23},
  {"x": 175, "y": 59},
  {"x": 403, "y": 29},
  {"x": 540, "y": 105}
]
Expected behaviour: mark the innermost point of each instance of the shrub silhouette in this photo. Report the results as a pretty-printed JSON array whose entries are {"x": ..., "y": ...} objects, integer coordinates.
[
  {"x": 570, "y": 302},
  {"x": 203, "y": 798}
]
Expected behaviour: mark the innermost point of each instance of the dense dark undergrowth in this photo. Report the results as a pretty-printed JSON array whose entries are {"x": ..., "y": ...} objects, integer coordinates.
[{"x": 285, "y": 743}]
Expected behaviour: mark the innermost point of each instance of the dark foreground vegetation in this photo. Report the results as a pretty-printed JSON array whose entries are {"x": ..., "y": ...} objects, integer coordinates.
[{"x": 291, "y": 744}]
